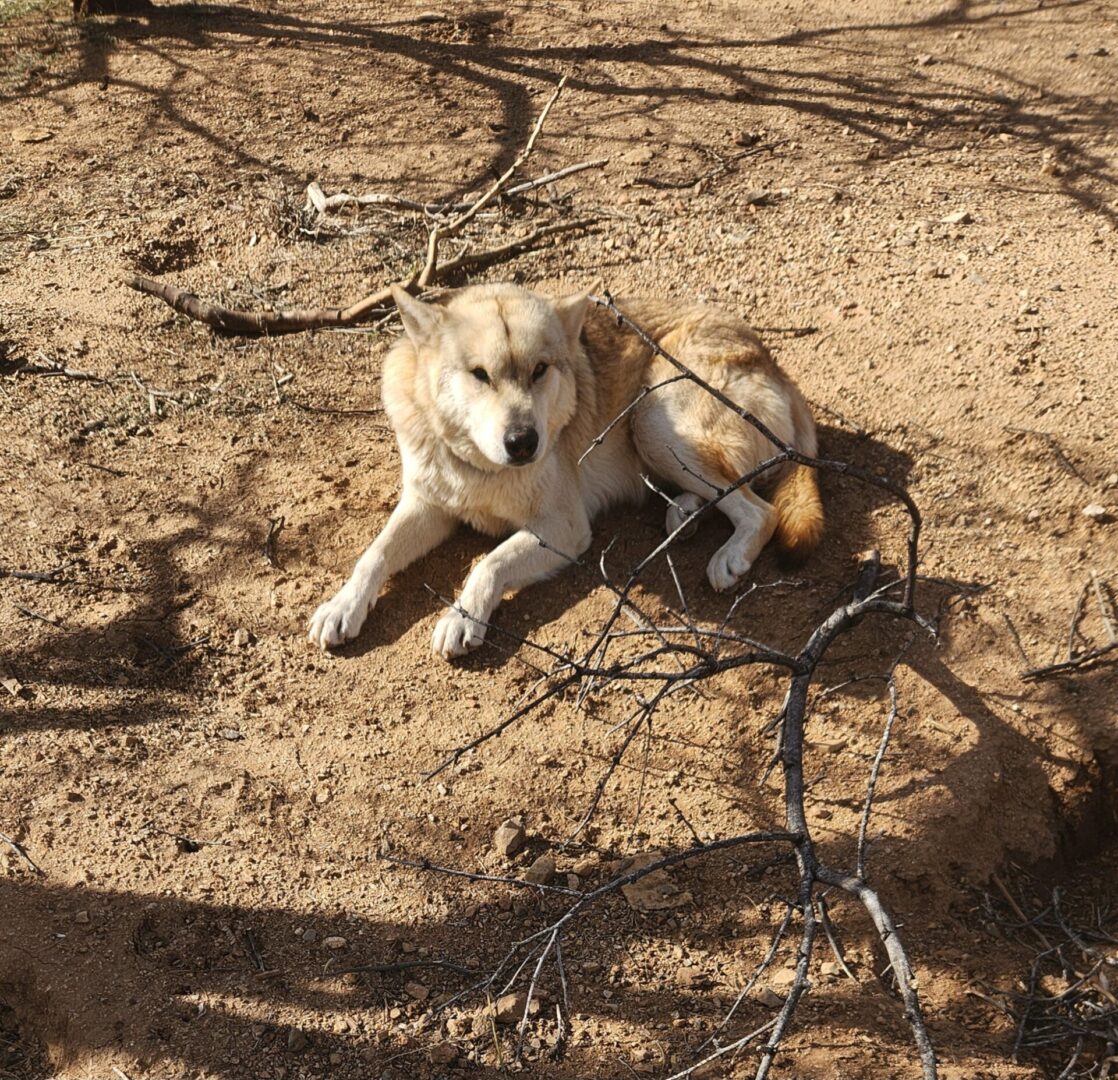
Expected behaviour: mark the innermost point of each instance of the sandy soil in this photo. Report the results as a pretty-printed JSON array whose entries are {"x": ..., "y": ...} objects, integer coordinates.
[{"x": 939, "y": 206}]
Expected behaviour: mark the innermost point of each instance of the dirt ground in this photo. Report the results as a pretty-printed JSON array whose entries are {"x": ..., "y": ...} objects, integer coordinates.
[{"x": 932, "y": 194}]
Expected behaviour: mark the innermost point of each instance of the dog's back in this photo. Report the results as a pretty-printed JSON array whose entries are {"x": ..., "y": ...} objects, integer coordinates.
[{"x": 685, "y": 435}]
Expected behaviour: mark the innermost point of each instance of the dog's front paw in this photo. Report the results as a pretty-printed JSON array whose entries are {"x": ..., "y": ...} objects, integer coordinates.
[
  {"x": 339, "y": 619},
  {"x": 456, "y": 634},
  {"x": 728, "y": 566}
]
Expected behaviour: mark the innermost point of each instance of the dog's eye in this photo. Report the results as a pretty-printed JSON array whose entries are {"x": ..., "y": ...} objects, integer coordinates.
[
  {"x": 480, "y": 374},
  {"x": 539, "y": 373}
]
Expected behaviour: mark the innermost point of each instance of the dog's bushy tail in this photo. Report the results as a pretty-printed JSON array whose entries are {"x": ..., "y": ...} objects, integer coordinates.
[{"x": 799, "y": 526}]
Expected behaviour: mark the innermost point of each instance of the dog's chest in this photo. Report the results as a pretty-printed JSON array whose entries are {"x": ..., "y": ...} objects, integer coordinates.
[{"x": 494, "y": 503}]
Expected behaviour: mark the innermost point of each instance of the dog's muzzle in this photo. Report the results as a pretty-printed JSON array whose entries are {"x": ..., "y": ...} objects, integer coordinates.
[{"x": 521, "y": 444}]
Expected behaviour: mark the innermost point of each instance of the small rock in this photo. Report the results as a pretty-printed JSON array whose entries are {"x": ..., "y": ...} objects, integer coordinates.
[
  {"x": 31, "y": 134},
  {"x": 444, "y": 1053},
  {"x": 81, "y": 917},
  {"x": 770, "y": 999},
  {"x": 240, "y": 637},
  {"x": 925, "y": 60},
  {"x": 541, "y": 871},
  {"x": 1111, "y": 481},
  {"x": 1032, "y": 517},
  {"x": 830, "y": 746},
  {"x": 746, "y": 138},
  {"x": 959, "y": 217},
  {"x": 510, "y": 837},
  {"x": 417, "y": 991},
  {"x": 336, "y": 1058},
  {"x": 322, "y": 796},
  {"x": 334, "y": 943},
  {"x": 510, "y": 1007},
  {"x": 784, "y": 977},
  {"x": 230, "y": 734},
  {"x": 310, "y": 936},
  {"x": 1096, "y": 512},
  {"x": 655, "y": 891},
  {"x": 641, "y": 156},
  {"x": 296, "y": 1040},
  {"x": 828, "y": 967}
]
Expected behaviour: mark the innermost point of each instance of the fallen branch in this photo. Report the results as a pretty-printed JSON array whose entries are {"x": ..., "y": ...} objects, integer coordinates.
[
  {"x": 298, "y": 320},
  {"x": 1065, "y": 666},
  {"x": 663, "y": 658},
  {"x": 318, "y": 200}
]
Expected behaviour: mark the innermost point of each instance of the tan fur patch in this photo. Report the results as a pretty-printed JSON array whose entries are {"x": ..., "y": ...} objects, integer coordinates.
[
  {"x": 718, "y": 468},
  {"x": 800, "y": 524}
]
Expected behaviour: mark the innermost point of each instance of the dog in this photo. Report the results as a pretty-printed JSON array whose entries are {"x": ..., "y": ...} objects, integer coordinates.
[{"x": 496, "y": 393}]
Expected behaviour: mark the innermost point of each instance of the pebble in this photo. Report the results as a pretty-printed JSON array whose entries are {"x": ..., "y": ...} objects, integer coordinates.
[
  {"x": 510, "y": 1007},
  {"x": 1096, "y": 512},
  {"x": 959, "y": 217},
  {"x": 296, "y": 1040},
  {"x": 310, "y": 936},
  {"x": 417, "y": 991},
  {"x": 1111, "y": 481},
  {"x": 541, "y": 871},
  {"x": 81, "y": 917},
  {"x": 240, "y": 637},
  {"x": 322, "y": 796},
  {"x": 444, "y": 1053},
  {"x": 770, "y": 999},
  {"x": 510, "y": 837},
  {"x": 334, "y": 942},
  {"x": 1032, "y": 516}
]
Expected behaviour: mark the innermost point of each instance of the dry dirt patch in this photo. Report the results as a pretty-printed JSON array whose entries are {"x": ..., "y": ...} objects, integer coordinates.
[{"x": 938, "y": 204}]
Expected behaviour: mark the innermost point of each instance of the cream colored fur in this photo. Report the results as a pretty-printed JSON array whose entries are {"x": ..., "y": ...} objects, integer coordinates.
[{"x": 489, "y": 364}]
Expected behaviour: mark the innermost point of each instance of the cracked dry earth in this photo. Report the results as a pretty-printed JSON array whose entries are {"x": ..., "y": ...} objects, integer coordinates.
[{"x": 924, "y": 227}]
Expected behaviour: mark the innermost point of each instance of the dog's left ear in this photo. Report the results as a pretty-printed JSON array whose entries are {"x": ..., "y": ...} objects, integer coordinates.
[
  {"x": 572, "y": 313},
  {"x": 421, "y": 321}
]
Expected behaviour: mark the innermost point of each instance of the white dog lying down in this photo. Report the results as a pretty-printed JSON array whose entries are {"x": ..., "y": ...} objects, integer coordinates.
[{"x": 495, "y": 393}]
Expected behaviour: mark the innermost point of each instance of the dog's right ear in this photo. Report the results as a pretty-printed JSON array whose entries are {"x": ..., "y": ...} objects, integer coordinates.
[{"x": 421, "y": 321}]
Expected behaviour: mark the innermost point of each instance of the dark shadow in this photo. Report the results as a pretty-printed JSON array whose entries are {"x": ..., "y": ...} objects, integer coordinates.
[{"x": 479, "y": 55}]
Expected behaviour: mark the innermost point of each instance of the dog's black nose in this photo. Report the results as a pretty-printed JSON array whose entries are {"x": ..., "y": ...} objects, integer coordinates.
[{"x": 521, "y": 444}]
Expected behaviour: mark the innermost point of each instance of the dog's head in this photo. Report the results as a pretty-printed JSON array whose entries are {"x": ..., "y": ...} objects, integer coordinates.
[{"x": 499, "y": 365}]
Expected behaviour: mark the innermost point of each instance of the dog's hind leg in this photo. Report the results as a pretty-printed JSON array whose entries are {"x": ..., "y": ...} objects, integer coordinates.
[
  {"x": 702, "y": 459},
  {"x": 679, "y": 512}
]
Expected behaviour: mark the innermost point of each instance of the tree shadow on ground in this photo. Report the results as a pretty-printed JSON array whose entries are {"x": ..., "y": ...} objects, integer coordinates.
[{"x": 792, "y": 70}]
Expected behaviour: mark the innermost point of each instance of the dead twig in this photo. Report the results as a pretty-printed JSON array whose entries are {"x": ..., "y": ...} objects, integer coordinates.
[
  {"x": 21, "y": 852},
  {"x": 1084, "y": 660}
]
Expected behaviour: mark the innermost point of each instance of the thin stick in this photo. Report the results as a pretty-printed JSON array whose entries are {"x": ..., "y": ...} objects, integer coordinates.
[
  {"x": 871, "y": 787},
  {"x": 323, "y": 202},
  {"x": 1085, "y": 660},
  {"x": 441, "y": 232},
  {"x": 18, "y": 849},
  {"x": 1105, "y": 607}
]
